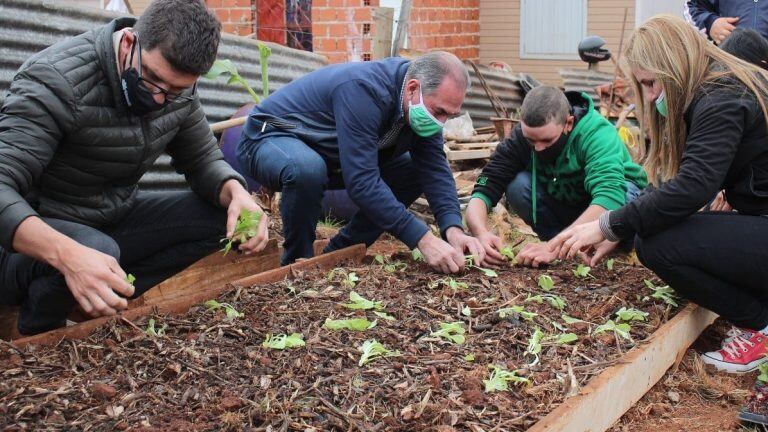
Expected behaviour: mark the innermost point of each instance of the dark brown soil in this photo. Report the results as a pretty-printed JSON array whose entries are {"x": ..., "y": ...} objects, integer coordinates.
[{"x": 210, "y": 373}]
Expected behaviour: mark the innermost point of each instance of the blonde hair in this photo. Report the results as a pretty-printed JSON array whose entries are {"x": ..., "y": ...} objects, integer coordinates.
[{"x": 682, "y": 61}]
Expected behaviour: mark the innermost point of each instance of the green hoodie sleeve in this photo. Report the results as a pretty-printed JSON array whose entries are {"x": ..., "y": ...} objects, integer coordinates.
[{"x": 604, "y": 176}]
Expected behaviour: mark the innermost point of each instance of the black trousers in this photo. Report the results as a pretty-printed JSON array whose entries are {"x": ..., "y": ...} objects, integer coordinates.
[
  {"x": 717, "y": 260},
  {"x": 162, "y": 234}
]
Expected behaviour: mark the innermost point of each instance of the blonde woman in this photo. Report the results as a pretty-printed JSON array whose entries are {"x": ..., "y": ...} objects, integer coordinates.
[{"x": 706, "y": 113}]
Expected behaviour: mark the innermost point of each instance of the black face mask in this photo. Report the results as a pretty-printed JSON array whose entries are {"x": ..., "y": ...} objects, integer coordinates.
[
  {"x": 139, "y": 99},
  {"x": 550, "y": 154}
]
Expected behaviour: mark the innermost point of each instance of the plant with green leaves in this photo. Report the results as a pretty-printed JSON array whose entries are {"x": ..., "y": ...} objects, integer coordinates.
[
  {"x": 390, "y": 267},
  {"x": 517, "y": 310},
  {"x": 469, "y": 261},
  {"x": 417, "y": 256},
  {"x": 452, "y": 332},
  {"x": 763, "y": 377},
  {"x": 509, "y": 253},
  {"x": 621, "y": 330},
  {"x": 231, "y": 312},
  {"x": 469, "y": 358},
  {"x": 555, "y": 301},
  {"x": 630, "y": 314},
  {"x": 570, "y": 319},
  {"x": 246, "y": 227},
  {"x": 372, "y": 349},
  {"x": 665, "y": 293},
  {"x": 329, "y": 222},
  {"x": 281, "y": 342},
  {"x": 500, "y": 378},
  {"x": 385, "y": 316},
  {"x": 227, "y": 68},
  {"x": 358, "y": 302},
  {"x": 546, "y": 283},
  {"x": 564, "y": 338},
  {"x": 534, "y": 342},
  {"x": 130, "y": 279},
  {"x": 354, "y": 324},
  {"x": 466, "y": 311},
  {"x": 609, "y": 264},
  {"x": 449, "y": 282},
  {"x": 582, "y": 271},
  {"x": 153, "y": 331}
]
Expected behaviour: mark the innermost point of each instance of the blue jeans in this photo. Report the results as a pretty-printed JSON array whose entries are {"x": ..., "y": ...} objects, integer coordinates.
[
  {"x": 553, "y": 215},
  {"x": 285, "y": 163}
]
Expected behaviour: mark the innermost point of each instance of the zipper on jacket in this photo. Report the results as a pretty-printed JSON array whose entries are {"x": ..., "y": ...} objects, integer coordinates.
[{"x": 144, "y": 125}]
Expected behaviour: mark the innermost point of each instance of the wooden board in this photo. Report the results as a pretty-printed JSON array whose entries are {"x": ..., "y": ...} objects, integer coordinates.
[
  {"x": 179, "y": 305},
  {"x": 609, "y": 395},
  {"x": 454, "y": 155}
]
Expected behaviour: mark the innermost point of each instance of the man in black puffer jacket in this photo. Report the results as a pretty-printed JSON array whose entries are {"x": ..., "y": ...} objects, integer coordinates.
[{"x": 82, "y": 122}]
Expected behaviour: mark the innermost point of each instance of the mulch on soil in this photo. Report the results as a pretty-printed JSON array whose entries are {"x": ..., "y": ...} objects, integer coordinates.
[{"x": 208, "y": 372}]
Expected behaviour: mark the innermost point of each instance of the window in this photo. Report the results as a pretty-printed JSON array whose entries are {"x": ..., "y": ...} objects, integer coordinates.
[{"x": 552, "y": 29}]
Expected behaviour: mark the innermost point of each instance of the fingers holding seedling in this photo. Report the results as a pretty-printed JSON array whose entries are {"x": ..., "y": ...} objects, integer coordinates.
[{"x": 249, "y": 225}]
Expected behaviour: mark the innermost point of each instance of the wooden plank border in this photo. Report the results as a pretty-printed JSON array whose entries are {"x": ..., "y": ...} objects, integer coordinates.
[{"x": 606, "y": 398}]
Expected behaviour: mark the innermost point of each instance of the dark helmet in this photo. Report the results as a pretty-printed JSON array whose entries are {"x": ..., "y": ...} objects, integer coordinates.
[{"x": 591, "y": 50}]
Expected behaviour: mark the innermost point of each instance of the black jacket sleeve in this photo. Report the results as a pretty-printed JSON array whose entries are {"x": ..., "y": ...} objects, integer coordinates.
[
  {"x": 717, "y": 121},
  {"x": 510, "y": 158}
]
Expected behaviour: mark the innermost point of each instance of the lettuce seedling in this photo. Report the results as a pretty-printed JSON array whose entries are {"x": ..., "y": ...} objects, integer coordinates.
[
  {"x": 665, "y": 293},
  {"x": 466, "y": 311},
  {"x": 354, "y": 324},
  {"x": 155, "y": 332},
  {"x": 417, "y": 256},
  {"x": 609, "y": 264},
  {"x": 621, "y": 330},
  {"x": 246, "y": 227},
  {"x": 281, "y": 342},
  {"x": 130, "y": 279},
  {"x": 570, "y": 320},
  {"x": 452, "y": 332},
  {"x": 372, "y": 349},
  {"x": 546, "y": 283},
  {"x": 231, "y": 312},
  {"x": 385, "y": 316},
  {"x": 763, "y": 377},
  {"x": 519, "y": 310},
  {"x": 359, "y": 302},
  {"x": 631, "y": 314},
  {"x": 534, "y": 342},
  {"x": 509, "y": 253},
  {"x": 564, "y": 338},
  {"x": 449, "y": 282},
  {"x": 469, "y": 358},
  {"x": 469, "y": 261},
  {"x": 583, "y": 271},
  {"x": 500, "y": 378},
  {"x": 390, "y": 267},
  {"x": 555, "y": 301}
]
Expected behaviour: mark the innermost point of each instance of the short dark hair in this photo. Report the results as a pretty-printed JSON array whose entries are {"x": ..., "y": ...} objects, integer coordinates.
[
  {"x": 544, "y": 104},
  {"x": 748, "y": 45},
  {"x": 186, "y": 32}
]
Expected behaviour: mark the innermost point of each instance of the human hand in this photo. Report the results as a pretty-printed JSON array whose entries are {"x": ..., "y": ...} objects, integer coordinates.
[
  {"x": 722, "y": 28},
  {"x": 576, "y": 238},
  {"x": 492, "y": 245},
  {"x": 440, "y": 255},
  {"x": 535, "y": 254},
  {"x": 242, "y": 200},
  {"x": 464, "y": 243},
  {"x": 720, "y": 203},
  {"x": 594, "y": 255}
]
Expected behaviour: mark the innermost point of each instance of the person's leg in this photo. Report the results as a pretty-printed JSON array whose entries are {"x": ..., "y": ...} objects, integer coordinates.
[
  {"x": 287, "y": 164},
  {"x": 717, "y": 260},
  {"x": 40, "y": 289},
  {"x": 166, "y": 232},
  {"x": 552, "y": 216},
  {"x": 401, "y": 177}
]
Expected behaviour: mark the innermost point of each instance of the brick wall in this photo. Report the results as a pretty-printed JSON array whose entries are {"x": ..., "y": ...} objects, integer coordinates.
[
  {"x": 450, "y": 25},
  {"x": 236, "y": 16},
  {"x": 343, "y": 30}
]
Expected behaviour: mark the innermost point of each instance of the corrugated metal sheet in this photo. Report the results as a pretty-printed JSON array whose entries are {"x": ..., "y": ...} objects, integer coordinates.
[
  {"x": 29, "y": 26},
  {"x": 506, "y": 86},
  {"x": 584, "y": 80}
]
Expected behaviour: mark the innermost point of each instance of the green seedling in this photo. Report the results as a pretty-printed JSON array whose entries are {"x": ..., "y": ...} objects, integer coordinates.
[
  {"x": 359, "y": 302},
  {"x": 247, "y": 227},
  {"x": 155, "y": 332},
  {"x": 329, "y": 222},
  {"x": 350, "y": 280},
  {"x": 500, "y": 378},
  {"x": 449, "y": 282},
  {"x": 469, "y": 261},
  {"x": 390, "y": 267},
  {"x": 609, "y": 264},
  {"x": 231, "y": 312},
  {"x": 665, "y": 293},
  {"x": 555, "y": 301},
  {"x": 354, "y": 324},
  {"x": 763, "y": 377},
  {"x": 281, "y": 342},
  {"x": 534, "y": 342},
  {"x": 519, "y": 310},
  {"x": 226, "y": 68},
  {"x": 546, "y": 283},
  {"x": 417, "y": 256},
  {"x": 371, "y": 350},
  {"x": 621, "y": 330},
  {"x": 583, "y": 271},
  {"x": 509, "y": 253},
  {"x": 557, "y": 325},
  {"x": 570, "y": 320},
  {"x": 452, "y": 332},
  {"x": 466, "y": 311},
  {"x": 469, "y": 358},
  {"x": 564, "y": 338},
  {"x": 631, "y": 314},
  {"x": 385, "y": 316},
  {"x": 130, "y": 279}
]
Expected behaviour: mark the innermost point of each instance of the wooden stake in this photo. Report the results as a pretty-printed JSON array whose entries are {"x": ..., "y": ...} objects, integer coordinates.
[
  {"x": 402, "y": 27},
  {"x": 226, "y": 124},
  {"x": 616, "y": 70},
  {"x": 383, "y": 19}
]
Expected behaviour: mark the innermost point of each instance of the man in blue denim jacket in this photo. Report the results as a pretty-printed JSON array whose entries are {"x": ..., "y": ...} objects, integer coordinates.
[
  {"x": 374, "y": 128},
  {"x": 718, "y": 18}
]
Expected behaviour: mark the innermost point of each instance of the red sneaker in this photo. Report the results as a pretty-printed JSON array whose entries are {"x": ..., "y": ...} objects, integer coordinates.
[{"x": 744, "y": 353}]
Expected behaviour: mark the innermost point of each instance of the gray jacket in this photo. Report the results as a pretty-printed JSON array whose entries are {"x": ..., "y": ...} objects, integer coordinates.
[{"x": 70, "y": 149}]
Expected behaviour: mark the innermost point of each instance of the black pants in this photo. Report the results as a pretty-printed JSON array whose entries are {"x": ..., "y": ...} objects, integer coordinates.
[
  {"x": 162, "y": 234},
  {"x": 716, "y": 260}
]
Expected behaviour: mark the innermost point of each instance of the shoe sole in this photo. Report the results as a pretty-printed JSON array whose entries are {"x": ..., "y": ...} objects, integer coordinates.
[
  {"x": 731, "y": 368},
  {"x": 753, "y": 418}
]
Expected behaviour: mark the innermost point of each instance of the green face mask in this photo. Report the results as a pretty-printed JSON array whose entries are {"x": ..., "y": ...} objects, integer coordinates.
[
  {"x": 661, "y": 104},
  {"x": 423, "y": 123}
]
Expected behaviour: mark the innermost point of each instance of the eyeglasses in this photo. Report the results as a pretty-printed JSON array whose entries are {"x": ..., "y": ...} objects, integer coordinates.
[{"x": 156, "y": 89}]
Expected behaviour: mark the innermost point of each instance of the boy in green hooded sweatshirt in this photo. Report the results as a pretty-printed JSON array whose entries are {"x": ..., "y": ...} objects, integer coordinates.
[{"x": 564, "y": 164}]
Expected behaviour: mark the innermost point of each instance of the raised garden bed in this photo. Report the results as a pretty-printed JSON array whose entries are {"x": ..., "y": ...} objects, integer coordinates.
[{"x": 210, "y": 372}]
